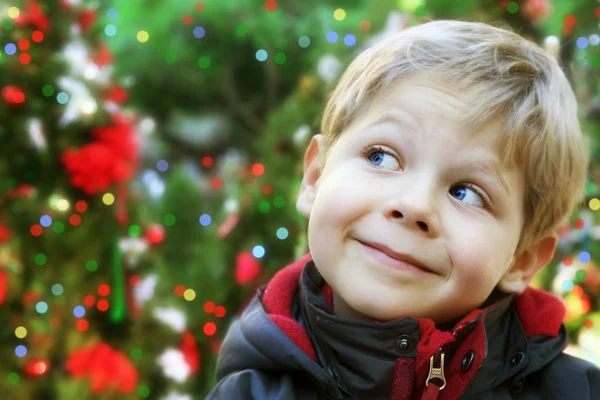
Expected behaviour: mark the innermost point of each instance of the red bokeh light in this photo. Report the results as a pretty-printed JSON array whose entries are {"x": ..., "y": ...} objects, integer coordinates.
[
  {"x": 102, "y": 305},
  {"x": 75, "y": 220},
  {"x": 210, "y": 328},
  {"x": 36, "y": 230},
  {"x": 82, "y": 325},
  {"x": 104, "y": 290},
  {"x": 209, "y": 307}
]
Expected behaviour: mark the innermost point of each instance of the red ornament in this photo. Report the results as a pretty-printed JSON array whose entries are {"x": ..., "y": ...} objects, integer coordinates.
[
  {"x": 111, "y": 159},
  {"x": 155, "y": 234},
  {"x": 189, "y": 348},
  {"x": 13, "y": 95},
  {"x": 117, "y": 94},
  {"x": 4, "y": 233},
  {"x": 103, "y": 56},
  {"x": 246, "y": 268},
  {"x": 3, "y": 286},
  {"x": 87, "y": 19},
  {"x": 37, "y": 367},
  {"x": 536, "y": 10},
  {"x": 34, "y": 16},
  {"x": 105, "y": 368}
]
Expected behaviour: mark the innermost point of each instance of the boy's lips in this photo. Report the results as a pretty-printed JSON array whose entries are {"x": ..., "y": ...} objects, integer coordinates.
[{"x": 397, "y": 255}]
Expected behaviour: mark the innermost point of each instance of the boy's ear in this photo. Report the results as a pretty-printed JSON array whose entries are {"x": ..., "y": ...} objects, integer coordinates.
[
  {"x": 312, "y": 172},
  {"x": 527, "y": 263}
]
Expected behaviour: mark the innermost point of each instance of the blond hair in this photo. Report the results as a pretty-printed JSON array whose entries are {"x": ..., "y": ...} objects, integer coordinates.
[{"x": 510, "y": 76}]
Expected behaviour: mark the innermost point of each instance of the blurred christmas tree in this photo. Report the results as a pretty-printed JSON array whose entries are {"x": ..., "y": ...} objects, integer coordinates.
[{"x": 128, "y": 240}]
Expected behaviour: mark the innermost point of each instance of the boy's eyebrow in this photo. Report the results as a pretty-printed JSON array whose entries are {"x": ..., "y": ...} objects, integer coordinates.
[
  {"x": 404, "y": 119},
  {"x": 481, "y": 166}
]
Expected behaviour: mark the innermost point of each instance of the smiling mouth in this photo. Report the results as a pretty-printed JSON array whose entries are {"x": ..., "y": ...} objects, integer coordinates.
[{"x": 397, "y": 262}]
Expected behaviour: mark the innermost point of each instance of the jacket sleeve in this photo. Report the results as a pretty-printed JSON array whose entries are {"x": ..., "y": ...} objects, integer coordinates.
[
  {"x": 253, "y": 384},
  {"x": 572, "y": 378}
]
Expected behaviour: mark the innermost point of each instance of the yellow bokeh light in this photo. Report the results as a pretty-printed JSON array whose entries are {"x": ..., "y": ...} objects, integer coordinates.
[
  {"x": 594, "y": 204},
  {"x": 21, "y": 332},
  {"x": 108, "y": 199},
  {"x": 13, "y": 12},
  {"x": 189, "y": 294},
  {"x": 339, "y": 14},
  {"x": 62, "y": 205},
  {"x": 142, "y": 36}
]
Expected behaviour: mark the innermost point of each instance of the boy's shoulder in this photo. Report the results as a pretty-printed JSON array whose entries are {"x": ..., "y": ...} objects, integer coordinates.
[{"x": 571, "y": 377}]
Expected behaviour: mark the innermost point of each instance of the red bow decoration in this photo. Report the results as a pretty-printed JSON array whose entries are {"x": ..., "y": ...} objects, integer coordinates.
[
  {"x": 34, "y": 16},
  {"x": 104, "y": 367},
  {"x": 111, "y": 159},
  {"x": 189, "y": 348}
]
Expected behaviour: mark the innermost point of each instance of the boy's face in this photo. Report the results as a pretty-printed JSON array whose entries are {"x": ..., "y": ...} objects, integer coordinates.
[{"x": 434, "y": 198}]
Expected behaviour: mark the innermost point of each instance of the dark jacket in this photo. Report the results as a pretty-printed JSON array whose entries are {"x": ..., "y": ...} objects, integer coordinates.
[{"x": 289, "y": 345}]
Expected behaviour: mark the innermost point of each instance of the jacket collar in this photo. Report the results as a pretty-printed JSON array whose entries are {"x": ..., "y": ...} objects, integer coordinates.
[{"x": 494, "y": 334}]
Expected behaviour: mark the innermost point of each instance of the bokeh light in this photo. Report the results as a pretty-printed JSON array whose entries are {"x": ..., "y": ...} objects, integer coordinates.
[
  {"x": 143, "y": 36},
  {"x": 258, "y": 251}
]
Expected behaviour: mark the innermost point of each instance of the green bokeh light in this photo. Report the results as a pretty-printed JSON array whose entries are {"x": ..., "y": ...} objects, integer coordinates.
[
  {"x": 241, "y": 30},
  {"x": 91, "y": 265},
  {"x": 13, "y": 378},
  {"x": 40, "y": 259},
  {"x": 136, "y": 353},
  {"x": 581, "y": 275},
  {"x": 204, "y": 62},
  {"x": 58, "y": 227},
  {"x": 279, "y": 202},
  {"x": 591, "y": 188},
  {"x": 264, "y": 207},
  {"x": 47, "y": 90},
  {"x": 170, "y": 220},
  {"x": 135, "y": 230},
  {"x": 143, "y": 391},
  {"x": 512, "y": 7},
  {"x": 280, "y": 58}
]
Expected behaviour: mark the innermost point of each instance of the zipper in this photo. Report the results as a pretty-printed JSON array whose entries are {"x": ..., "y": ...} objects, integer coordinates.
[{"x": 437, "y": 372}]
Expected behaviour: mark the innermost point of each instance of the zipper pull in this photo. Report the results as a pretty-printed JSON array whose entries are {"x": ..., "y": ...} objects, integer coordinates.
[{"x": 436, "y": 373}]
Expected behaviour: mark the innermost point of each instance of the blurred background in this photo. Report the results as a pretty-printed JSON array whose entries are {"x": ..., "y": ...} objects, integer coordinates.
[{"x": 150, "y": 157}]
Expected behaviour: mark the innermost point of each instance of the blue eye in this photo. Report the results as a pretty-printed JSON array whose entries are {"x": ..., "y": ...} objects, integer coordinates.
[
  {"x": 382, "y": 158},
  {"x": 467, "y": 191}
]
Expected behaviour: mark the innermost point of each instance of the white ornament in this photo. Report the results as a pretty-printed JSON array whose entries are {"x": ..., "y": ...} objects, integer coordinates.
[
  {"x": 146, "y": 126},
  {"x": 81, "y": 66},
  {"x": 132, "y": 249},
  {"x": 329, "y": 68},
  {"x": 171, "y": 317},
  {"x": 80, "y": 101},
  {"x": 231, "y": 206},
  {"x": 173, "y": 365},
  {"x": 144, "y": 290},
  {"x": 35, "y": 133},
  {"x": 153, "y": 183}
]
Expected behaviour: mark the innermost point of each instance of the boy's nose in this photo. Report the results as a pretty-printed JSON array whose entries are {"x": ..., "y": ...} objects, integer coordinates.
[{"x": 415, "y": 211}]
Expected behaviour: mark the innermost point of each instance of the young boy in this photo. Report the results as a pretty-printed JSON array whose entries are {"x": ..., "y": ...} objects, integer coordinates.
[{"x": 449, "y": 154}]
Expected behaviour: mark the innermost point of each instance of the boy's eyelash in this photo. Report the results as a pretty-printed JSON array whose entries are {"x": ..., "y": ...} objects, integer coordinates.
[
  {"x": 367, "y": 151},
  {"x": 375, "y": 147}
]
